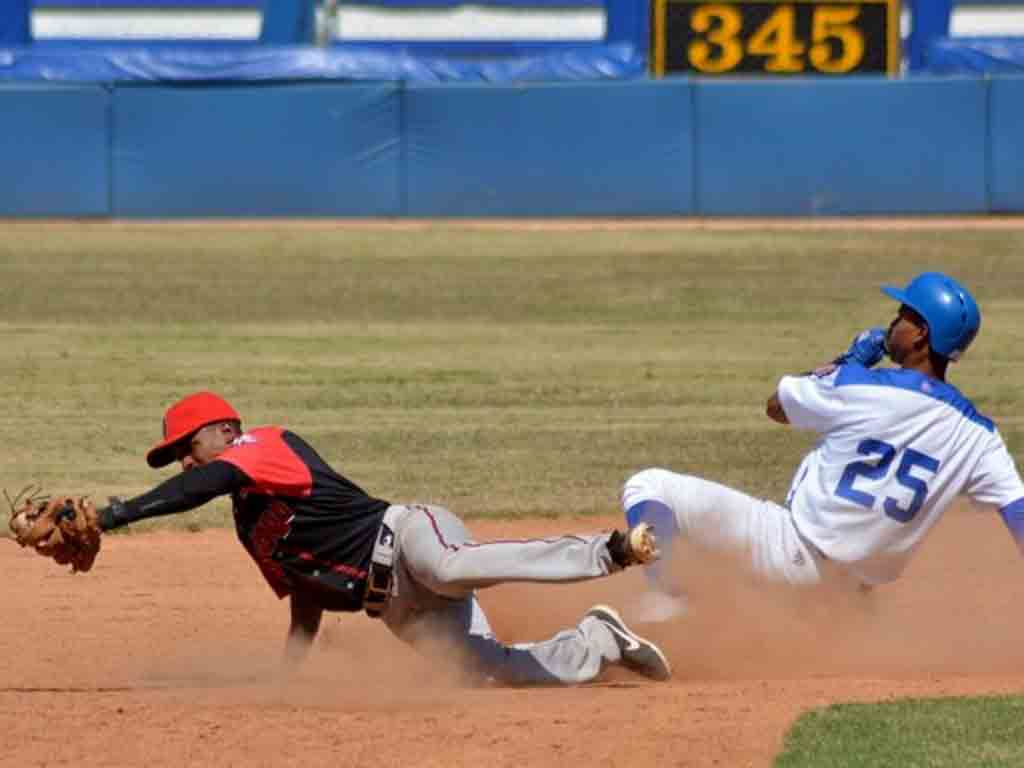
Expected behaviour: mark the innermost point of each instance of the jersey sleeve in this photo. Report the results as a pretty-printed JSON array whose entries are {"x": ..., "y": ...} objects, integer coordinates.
[
  {"x": 995, "y": 480},
  {"x": 811, "y": 401},
  {"x": 184, "y": 491},
  {"x": 272, "y": 467}
]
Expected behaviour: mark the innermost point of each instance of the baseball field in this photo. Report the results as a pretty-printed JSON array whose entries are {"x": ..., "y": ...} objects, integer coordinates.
[{"x": 516, "y": 374}]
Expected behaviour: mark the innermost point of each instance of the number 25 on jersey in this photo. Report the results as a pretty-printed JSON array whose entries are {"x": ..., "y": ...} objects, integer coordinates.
[{"x": 876, "y": 470}]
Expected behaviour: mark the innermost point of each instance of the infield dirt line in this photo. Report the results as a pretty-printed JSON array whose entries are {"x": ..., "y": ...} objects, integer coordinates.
[{"x": 682, "y": 224}]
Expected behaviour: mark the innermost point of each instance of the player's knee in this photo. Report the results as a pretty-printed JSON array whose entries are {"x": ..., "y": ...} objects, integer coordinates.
[
  {"x": 645, "y": 484},
  {"x": 447, "y": 577},
  {"x": 645, "y": 498},
  {"x": 656, "y": 514},
  {"x": 449, "y": 583},
  {"x": 653, "y": 484}
]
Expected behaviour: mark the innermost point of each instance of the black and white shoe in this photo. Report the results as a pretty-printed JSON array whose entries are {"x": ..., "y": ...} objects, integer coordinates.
[{"x": 640, "y": 655}]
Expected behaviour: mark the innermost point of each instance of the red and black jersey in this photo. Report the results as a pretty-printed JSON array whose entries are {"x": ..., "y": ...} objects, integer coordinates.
[{"x": 308, "y": 528}]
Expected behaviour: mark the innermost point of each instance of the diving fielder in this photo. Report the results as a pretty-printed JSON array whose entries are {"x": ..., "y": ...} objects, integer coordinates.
[
  {"x": 897, "y": 446},
  {"x": 327, "y": 545}
]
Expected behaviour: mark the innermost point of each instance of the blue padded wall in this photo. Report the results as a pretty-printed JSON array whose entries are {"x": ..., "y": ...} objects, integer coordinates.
[
  {"x": 832, "y": 147},
  {"x": 581, "y": 149},
  {"x": 51, "y": 170},
  {"x": 281, "y": 150},
  {"x": 1006, "y": 116},
  {"x": 653, "y": 148}
]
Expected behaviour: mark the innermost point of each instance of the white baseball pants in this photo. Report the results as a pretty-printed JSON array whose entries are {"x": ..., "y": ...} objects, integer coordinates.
[
  {"x": 715, "y": 517},
  {"x": 433, "y": 605}
]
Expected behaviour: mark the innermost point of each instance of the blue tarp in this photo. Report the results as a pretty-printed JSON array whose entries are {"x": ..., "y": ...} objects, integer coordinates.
[
  {"x": 975, "y": 56},
  {"x": 14, "y": 23},
  {"x": 89, "y": 64},
  {"x": 207, "y": 4},
  {"x": 283, "y": 51},
  {"x": 930, "y": 21}
]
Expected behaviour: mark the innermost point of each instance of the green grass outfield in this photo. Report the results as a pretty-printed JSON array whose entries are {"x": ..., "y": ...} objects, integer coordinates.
[
  {"x": 500, "y": 372},
  {"x": 922, "y": 733}
]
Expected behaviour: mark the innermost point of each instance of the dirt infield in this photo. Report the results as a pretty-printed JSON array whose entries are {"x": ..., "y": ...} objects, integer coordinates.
[{"x": 164, "y": 656}]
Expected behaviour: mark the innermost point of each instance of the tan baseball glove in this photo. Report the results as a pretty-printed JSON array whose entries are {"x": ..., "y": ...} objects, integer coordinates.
[{"x": 65, "y": 528}]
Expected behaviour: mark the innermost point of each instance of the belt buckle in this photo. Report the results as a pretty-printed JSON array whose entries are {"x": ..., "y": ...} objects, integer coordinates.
[
  {"x": 378, "y": 589},
  {"x": 381, "y": 572}
]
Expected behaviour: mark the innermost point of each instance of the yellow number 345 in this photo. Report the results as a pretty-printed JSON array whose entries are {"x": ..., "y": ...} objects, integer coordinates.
[{"x": 720, "y": 46}]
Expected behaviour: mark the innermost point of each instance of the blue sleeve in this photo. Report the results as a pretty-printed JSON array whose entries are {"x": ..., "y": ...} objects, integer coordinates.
[{"x": 1013, "y": 516}]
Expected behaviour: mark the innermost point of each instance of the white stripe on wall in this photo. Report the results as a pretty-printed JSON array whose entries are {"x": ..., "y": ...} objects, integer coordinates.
[
  {"x": 1000, "y": 21},
  {"x": 469, "y": 23},
  {"x": 369, "y": 23},
  {"x": 351, "y": 22},
  {"x": 147, "y": 24}
]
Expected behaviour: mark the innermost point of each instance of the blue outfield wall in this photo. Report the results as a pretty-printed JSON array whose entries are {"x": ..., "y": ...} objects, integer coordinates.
[
  {"x": 280, "y": 150},
  {"x": 645, "y": 148},
  {"x": 579, "y": 149},
  {"x": 1006, "y": 160},
  {"x": 50, "y": 169},
  {"x": 855, "y": 146}
]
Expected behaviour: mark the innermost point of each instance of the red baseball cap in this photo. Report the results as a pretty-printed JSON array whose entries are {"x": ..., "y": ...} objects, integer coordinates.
[{"x": 184, "y": 419}]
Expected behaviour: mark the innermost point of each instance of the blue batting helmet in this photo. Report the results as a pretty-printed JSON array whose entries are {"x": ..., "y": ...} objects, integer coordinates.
[{"x": 951, "y": 312}]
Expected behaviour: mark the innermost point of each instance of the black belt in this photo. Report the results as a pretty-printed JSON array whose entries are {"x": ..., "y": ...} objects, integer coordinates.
[
  {"x": 382, "y": 571},
  {"x": 378, "y": 589}
]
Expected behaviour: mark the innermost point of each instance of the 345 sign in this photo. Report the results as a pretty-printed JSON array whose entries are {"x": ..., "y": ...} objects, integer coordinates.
[{"x": 794, "y": 37}]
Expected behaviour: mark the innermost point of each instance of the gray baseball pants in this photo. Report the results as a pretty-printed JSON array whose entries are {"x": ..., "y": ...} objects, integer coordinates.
[{"x": 433, "y": 604}]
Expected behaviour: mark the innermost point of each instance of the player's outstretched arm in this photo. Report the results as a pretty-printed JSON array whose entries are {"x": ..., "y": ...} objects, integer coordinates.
[
  {"x": 69, "y": 528},
  {"x": 180, "y": 493},
  {"x": 305, "y": 623}
]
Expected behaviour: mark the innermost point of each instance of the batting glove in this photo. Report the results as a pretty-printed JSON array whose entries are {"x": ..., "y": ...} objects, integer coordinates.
[{"x": 867, "y": 348}]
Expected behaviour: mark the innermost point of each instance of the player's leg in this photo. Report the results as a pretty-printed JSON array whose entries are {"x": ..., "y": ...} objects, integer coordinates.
[
  {"x": 436, "y": 547},
  {"x": 715, "y": 517},
  {"x": 459, "y": 630},
  {"x": 664, "y": 599}
]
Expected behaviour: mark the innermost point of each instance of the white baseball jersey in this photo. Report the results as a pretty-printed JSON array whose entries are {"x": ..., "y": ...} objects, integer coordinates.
[{"x": 897, "y": 447}]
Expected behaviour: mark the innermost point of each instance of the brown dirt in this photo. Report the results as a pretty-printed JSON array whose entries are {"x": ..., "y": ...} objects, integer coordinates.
[{"x": 164, "y": 655}]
